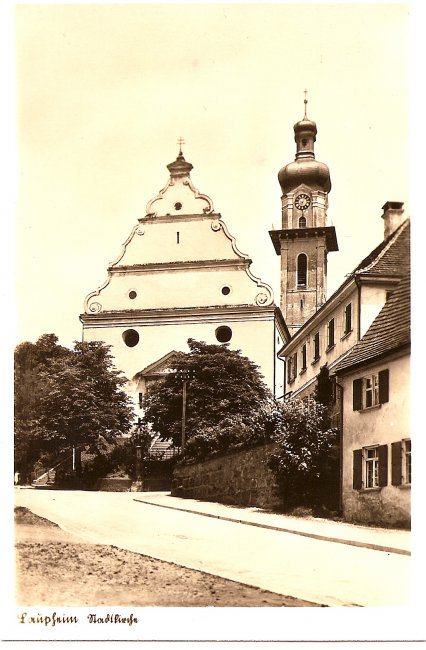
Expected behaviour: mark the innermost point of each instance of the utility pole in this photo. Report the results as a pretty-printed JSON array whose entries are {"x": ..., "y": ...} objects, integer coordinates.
[
  {"x": 186, "y": 376},
  {"x": 183, "y": 414},
  {"x": 138, "y": 446}
]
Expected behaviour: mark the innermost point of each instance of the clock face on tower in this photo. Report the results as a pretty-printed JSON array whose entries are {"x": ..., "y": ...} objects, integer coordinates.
[{"x": 302, "y": 202}]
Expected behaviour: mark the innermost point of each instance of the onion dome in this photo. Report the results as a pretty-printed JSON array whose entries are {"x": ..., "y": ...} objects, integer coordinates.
[
  {"x": 305, "y": 169},
  {"x": 179, "y": 167}
]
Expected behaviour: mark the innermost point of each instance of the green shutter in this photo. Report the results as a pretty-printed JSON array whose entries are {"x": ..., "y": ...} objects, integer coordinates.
[
  {"x": 397, "y": 463},
  {"x": 357, "y": 394},
  {"x": 357, "y": 469},
  {"x": 383, "y": 386},
  {"x": 382, "y": 453}
]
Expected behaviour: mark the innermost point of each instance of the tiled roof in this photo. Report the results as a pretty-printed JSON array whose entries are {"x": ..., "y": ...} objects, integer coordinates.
[
  {"x": 391, "y": 257},
  {"x": 389, "y": 331}
]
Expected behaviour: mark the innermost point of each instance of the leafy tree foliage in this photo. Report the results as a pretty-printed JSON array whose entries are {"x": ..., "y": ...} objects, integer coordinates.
[
  {"x": 324, "y": 387},
  {"x": 66, "y": 398},
  {"x": 30, "y": 359},
  {"x": 307, "y": 461},
  {"x": 226, "y": 400}
]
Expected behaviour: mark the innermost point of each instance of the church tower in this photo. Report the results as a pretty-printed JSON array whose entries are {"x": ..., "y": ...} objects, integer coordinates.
[{"x": 305, "y": 238}]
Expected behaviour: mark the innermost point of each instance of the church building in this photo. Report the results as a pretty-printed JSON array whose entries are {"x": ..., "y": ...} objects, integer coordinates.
[{"x": 180, "y": 275}]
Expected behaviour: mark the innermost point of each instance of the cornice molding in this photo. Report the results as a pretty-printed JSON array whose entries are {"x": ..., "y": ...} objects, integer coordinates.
[
  {"x": 235, "y": 313},
  {"x": 177, "y": 218},
  {"x": 139, "y": 269},
  {"x": 329, "y": 232}
]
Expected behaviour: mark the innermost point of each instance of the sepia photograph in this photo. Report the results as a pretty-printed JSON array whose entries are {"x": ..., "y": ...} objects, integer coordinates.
[{"x": 209, "y": 430}]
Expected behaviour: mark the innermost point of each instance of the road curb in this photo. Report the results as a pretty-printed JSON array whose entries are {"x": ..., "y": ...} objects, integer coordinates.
[{"x": 324, "y": 538}]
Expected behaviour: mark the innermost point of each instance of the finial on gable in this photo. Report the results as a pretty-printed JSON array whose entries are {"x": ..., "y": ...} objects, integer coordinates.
[{"x": 180, "y": 142}]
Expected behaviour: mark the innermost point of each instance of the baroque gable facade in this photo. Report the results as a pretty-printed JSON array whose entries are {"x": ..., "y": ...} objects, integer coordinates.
[{"x": 180, "y": 275}]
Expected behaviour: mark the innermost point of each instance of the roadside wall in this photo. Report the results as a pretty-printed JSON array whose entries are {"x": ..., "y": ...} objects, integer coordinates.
[{"x": 240, "y": 478}]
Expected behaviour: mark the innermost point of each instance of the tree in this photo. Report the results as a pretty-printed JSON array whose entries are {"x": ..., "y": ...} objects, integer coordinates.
[
  {"x": 67, "y": 398},
  {"x": 324, "y": 387},
  {"x": 30, "y": 359},
  {"x": 225, "y": 403},
  {"x": 307, "y": 460}
]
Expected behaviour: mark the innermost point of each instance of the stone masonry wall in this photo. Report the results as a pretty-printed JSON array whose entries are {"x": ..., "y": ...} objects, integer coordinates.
[{"x": 241, "y": 478}]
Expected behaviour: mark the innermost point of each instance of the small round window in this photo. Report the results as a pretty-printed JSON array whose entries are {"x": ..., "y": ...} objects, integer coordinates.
[
  {"x": 223, "y": 334},
  {"x": 132, "y": 295},
  {"x": 226, "y": 290},
  {"x": 131, "y": 338},
  {"x": 178, "y": 206}
]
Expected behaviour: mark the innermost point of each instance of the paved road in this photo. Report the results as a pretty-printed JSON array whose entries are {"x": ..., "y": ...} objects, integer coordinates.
[{"x": 315, "y": 570}]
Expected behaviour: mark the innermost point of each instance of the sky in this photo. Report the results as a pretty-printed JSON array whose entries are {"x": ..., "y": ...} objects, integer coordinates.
[{"x": 104, "y": 91}]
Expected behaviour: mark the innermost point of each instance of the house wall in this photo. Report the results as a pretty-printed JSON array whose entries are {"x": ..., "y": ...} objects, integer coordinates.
[
  {"x": 380, "y": 425},
  {"x": 305, "y": 380},
  {"x": 242, "y": 478},
  {"x": 373, "y": 297}
]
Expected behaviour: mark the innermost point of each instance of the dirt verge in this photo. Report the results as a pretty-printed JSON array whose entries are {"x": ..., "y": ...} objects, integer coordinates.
[{"x": 54, "y": 568}]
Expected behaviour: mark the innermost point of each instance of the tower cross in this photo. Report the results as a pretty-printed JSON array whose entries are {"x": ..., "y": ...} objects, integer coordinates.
[
  {"x": 180, "y": 142},
  {"x": 306, "y": 103}
]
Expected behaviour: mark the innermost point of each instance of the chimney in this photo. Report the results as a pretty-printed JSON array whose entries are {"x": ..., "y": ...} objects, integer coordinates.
[{"x": 393, "y": 216}]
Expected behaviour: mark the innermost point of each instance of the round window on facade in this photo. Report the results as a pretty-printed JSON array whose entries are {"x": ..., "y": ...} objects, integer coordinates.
[
  {"x": 178, "y": 206},
  {"x": 223, "y": 334},
  {"x": 226, "y": 290},
  {"x": 131, "y": 338},
  {"x": 132, "y": 295}
]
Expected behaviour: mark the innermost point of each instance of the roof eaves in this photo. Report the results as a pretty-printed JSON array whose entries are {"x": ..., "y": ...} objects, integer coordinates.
[{"x": 346, "y": 368}]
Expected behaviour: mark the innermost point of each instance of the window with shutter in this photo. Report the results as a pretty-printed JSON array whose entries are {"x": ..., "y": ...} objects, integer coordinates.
[
  {"x": 382, "y": 453},
  {"x": 357, "y": 469},
  {"x": 357, "y": 394},
  {"x": 396, "y": 463},
  {"x": 290, "y": 369},
  {"x": 348, "y": 318},
  {"x": 383, "y": 386},
  {"x": 303, "y": 357},
  {"x": 407, "y": 461},
  {"x": 370, "y": 395},
  {"x": 330, "y": 333},
  {"x": 371, "y": 467},
  {"x": 370, "y": 391},
  {"x": 316, "y": 346}
]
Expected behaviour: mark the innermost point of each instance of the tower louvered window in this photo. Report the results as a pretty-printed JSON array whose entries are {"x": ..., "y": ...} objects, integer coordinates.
[{"x": 302, "y": 270}]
